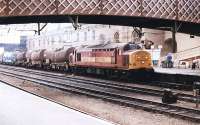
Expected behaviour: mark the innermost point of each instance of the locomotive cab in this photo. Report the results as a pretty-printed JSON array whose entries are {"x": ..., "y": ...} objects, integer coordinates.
[
  {"x": 140, "y": 60},
  {"x": 137, "y": 58}
]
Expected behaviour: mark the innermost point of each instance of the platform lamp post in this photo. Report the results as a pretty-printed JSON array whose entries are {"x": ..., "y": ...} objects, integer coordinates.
[
  {"x": 152, "y": 47},
  {"x": 160, "y": 48}
]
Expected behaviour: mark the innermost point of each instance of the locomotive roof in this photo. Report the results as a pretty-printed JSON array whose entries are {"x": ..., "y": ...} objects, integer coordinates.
[
  {"x": 126, "y": 46},
  {"x": 138, "y": 50},
  {"x": 108, "y": 46},
  {"x": 101, "y": 46}
]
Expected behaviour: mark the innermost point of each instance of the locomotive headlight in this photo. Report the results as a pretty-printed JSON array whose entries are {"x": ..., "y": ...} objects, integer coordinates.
[
  {"x": 142, "y": 62},
  {"x": 146, "y": 57}
]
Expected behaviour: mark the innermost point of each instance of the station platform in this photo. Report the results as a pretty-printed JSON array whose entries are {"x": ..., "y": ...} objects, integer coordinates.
[
  {"x": 181, "y": 71},
  {"x": 18, "y": 107}
]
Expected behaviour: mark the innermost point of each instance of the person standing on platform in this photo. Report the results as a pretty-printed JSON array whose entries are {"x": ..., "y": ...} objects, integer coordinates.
[{"x": 193, "y": 65}]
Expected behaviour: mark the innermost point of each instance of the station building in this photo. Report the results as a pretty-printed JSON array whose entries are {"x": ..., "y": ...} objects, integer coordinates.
[{"x": 64, "y": 35}]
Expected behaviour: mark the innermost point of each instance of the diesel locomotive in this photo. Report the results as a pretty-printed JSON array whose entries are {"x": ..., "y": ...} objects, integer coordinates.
[{"x": 111, "y": 59}]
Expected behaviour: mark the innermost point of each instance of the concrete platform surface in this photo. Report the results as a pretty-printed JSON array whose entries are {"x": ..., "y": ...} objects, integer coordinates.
[
  {"x": 195, "y": 72},
  {"x": 20, "y": 108}
]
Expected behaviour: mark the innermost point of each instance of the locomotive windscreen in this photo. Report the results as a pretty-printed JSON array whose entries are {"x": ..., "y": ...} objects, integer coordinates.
[{"x": 132, "y": 46}]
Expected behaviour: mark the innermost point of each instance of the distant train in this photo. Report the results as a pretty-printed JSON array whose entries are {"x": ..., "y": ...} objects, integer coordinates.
[
  {"x": 8, "y": 58},
  {"x": 105, "y": 59}
]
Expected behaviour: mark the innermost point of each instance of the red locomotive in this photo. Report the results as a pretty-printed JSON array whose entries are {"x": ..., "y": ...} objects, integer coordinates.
[{"x": 111, "y": 58}]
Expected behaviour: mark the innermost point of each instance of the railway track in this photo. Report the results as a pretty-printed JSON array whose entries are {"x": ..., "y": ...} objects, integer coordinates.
[
  {"x": 106, "y": 84},
  {"x": 171, "y": 85},
  {"x": 113, "y": 95},
  {"x": 179, "y": 86}
]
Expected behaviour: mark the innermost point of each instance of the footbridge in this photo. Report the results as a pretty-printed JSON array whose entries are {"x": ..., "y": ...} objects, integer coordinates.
[{"x": 183, "y": 15}]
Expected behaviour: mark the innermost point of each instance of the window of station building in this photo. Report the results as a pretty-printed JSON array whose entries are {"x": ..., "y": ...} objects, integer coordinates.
[
  {"x": 78, "y": 36},
  {"x": 29, "y": 45},
  {"x": 60, "y": 39},
  {"x": 93, "y": 34},
  {"x": 33, "y": 46},
  {"x": 78, "y": 56},
  {"x": 116, "y": 37},
  {"x": 65, "y": 37},
  {"x": 39, "y": 43},
  {"x": 85, "y": 36},
  {"x": 70, "y": 35}
]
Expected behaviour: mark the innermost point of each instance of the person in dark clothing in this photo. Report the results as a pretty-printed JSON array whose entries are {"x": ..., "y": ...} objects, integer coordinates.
[{"x": 193, "y": 65}]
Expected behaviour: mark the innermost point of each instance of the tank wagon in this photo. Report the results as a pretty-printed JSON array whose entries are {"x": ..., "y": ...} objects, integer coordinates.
[
  {"x": 60, "y": 59},
  {"x": 37, "y": 58},
  {"x": 48, "y": 58},
  {"x": 28, "y": 59},
  {"x": 20, "y": 58}
]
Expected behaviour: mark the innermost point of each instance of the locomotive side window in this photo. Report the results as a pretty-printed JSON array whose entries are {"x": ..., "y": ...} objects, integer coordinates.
[
  {"x": 113, "y": 60},
  {"x": 78, "y": 56},
  {"x": 118, "y": 51},
  {"x": 125, "y": 60}
]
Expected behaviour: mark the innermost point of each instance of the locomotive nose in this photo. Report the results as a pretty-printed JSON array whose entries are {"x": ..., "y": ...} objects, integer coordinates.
[
  {"x": 142, "y": 56},
  {"x": 143, "y": 59}
]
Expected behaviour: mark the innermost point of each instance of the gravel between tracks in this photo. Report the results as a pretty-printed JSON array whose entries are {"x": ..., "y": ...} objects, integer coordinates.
[{"x": 96, "y": 107}]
